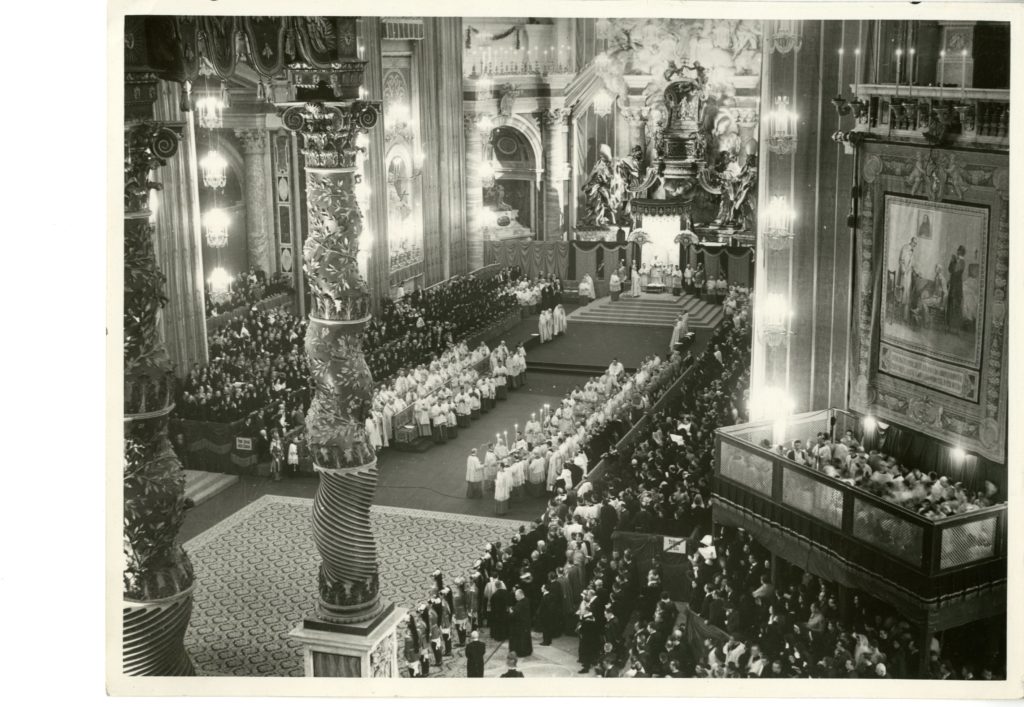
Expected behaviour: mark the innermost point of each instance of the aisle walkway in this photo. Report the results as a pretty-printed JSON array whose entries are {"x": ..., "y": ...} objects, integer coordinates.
[{"x": 433, "y": 480}]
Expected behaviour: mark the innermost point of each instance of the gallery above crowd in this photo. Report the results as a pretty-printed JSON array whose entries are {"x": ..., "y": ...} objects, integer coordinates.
[{"x": 248, "y": 289}]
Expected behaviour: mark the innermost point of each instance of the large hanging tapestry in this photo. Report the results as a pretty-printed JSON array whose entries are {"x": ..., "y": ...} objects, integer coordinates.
[
  {"x": 404, "y": 196},
  {"x": 930, "y": 331}
]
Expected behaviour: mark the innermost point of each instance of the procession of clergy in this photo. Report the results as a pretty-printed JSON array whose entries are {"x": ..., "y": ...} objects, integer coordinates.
[
  {"x": 548, "y": 454},
  {"x": 435, "y": 400}
]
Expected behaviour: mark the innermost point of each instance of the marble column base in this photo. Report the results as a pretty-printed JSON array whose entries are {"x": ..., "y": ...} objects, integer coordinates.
[{"x": 368, "y": 649}]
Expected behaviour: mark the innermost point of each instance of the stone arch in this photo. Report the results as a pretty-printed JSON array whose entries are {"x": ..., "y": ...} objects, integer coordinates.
[{"x": 528, "y": 130}]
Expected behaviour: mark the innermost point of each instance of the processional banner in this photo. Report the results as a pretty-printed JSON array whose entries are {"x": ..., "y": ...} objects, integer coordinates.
[{"x": 929, "y": 340}]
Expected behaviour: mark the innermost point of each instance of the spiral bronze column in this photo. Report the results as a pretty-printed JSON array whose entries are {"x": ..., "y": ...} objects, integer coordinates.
[
  {"x": 339, "y": 312},
  {"x": 158, "y": 577}
]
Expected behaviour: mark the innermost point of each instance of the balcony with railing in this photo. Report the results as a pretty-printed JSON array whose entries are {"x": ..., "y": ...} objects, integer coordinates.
[{"x": 947, "y": 569}]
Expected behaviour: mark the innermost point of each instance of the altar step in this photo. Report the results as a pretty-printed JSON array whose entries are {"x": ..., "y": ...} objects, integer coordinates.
[
  {"x": 649, "y": 311},
  {"x": 203, "y": 485}
]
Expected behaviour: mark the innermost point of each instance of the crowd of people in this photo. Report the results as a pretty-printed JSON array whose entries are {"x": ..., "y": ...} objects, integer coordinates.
[
  {"x": 425, "y": 323},
  {"x": 435, "y": 400},
  {"x": 552, "y": 451},
  {"x": 248, "y": 289},
  {"x": 758, "y": 621},
  {"x": 849, "y": 461},
  {"x": 257, "y": 359},
  {"x": 256, "y": 364}
]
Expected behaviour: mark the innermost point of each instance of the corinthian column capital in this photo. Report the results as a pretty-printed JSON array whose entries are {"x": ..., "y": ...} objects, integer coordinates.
[
  {"x": 554, "y": 118},
  {"x": 254, "y": 140}
]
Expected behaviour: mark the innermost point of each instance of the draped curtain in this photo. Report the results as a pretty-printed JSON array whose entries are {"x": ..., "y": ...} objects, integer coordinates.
[
  {"x": 534, "y": 258},
  {"x": 589, "y": 255},
  {"x": 736, "y": 263}
]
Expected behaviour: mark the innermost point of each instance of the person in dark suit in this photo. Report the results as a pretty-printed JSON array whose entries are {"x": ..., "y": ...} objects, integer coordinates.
[
  {"x": 511, "y": 663},
  {"x": 520, "y": 641},
  {"x": 590, "y": 641},
  {"x": 549, "y": 615},
  {"x": 498, "y": 615},
  {"x": 475, "y": 656}
]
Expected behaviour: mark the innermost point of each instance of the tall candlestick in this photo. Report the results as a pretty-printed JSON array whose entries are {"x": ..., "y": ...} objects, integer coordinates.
[
  {"x": 942, "y": 72},
  {"x": 963, "y": 73},
  {"x": 899, "y": 63},
  {"x": 856, "y": 71},
  {"x": 910, "y": 72},
  {"x": 839, "y": 80}
]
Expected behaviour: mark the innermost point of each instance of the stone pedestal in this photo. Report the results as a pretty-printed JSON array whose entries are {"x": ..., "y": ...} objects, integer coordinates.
[{"x": 363, "y": 650}]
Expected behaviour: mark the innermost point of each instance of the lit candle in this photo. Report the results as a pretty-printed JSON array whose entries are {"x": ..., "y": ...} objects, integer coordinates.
[
  {"x": 839, "y": 80},
  {"x": 910, "y": 72},
  {"x": 899, "y": 62},
  {"x": 942, "y": 71},
  {"x": 963, "y": 73},
  {"x": 856, "y": 71}
]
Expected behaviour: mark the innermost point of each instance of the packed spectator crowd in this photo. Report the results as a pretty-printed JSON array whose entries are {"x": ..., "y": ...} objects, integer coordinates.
[
  {"x": 257, "y": 360},
  {"x": 744, "y": 617},
  {"x": 851, "y": 462},
  {"x": 248, "y": 289}
]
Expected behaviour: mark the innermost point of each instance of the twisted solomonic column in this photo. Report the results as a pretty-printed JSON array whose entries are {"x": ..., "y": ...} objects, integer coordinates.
[
  {"x": 335, "y": 423},
  {"x": 158, "y": 577}
]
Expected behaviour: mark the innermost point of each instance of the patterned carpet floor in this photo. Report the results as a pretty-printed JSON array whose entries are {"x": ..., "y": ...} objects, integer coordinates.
[{"x": 256, "y": 577}]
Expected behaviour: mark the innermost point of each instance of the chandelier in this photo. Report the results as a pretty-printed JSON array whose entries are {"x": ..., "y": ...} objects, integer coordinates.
[
  {"x": 220, "y": 284},
  {"x": 787, "y": 36},
  {"x": 775, "y": 316},
  {"x": 603, "y": 103},
  {"x": 215, "y": 223},
  {"x": 214, "y": 168},
  {"x": 782, "y": 127},
  {"x": 778, "y": 223},
  {"x": 210, "y": 109}
]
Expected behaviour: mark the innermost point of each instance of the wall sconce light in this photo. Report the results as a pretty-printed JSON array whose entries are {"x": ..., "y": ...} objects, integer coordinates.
[
  {"x": 782, "y": 127},
  {"x": 778, "y": 223},
  {"x": 775, "y": 316}
]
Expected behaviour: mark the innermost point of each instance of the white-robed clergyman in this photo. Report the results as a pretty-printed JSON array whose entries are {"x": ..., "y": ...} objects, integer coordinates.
[{"x": 474, "y": 476}]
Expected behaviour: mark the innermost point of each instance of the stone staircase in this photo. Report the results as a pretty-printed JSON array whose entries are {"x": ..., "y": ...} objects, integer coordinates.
[
  {"x": 649, "y": 310},
  {"x": 203, "y": 485}
]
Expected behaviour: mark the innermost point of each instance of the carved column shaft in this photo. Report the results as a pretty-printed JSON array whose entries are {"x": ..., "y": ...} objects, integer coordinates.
[
  {"x": 348, "y": 577},
  {"x": 257, "y": 221},
  {"x": 554, "y": 122},
  {"x": 474, "y": 194},
  {"x": 158, "y": 577}
]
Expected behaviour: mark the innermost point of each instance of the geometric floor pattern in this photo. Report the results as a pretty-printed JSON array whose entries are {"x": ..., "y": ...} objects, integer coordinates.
[{"x": 256, "y": 577}]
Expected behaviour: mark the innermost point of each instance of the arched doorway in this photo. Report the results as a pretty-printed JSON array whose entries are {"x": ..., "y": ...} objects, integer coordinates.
[{"x": 513, "y": 198}]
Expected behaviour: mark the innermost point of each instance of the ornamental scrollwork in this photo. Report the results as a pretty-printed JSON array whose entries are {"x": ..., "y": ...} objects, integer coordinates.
[{"x": 147, "y": 146}]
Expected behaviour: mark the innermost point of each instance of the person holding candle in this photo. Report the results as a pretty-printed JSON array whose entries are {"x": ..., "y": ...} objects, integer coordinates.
[
  {"x": 502, "y": 490},
  {"x": 474, "y": 475},
  {"x": 490, "y": 470}
]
